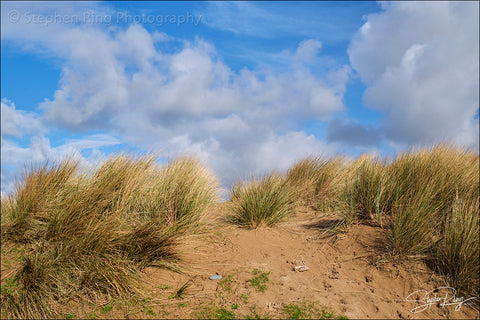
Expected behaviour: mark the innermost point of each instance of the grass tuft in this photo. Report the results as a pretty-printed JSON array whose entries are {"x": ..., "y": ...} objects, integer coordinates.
[
  {"x": 315, "y": 180},
  {"x": 365, "y": 189},
  {"x": 92, "y": 232},
  {"x": 182, "y": 192},
  {"x": 261, "y": 202},
  {"x": 28, "y": 209},
  {"x": 426, "y": 198},
  {"x": 457, "y": 253}
]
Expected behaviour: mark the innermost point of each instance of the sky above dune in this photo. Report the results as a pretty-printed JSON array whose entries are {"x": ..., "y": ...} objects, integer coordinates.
[{"x": 248, "y": 87}]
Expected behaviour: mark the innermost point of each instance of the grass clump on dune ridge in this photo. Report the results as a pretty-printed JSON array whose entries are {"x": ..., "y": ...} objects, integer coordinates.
[
  {"x": 364, "y": 191},
  {"x": 316, "y": 180},
  {"x": 430, "y": 198},
  {"x": 264, "y": 201},
  {"x": 424, "y": 185},
  {"x": 414, "y": 191},
  {"x": 28, "y": 209},
  {"x": 92, "y": 232},
  {"x": 414, "y": 222},
  {"x": 457, "y": 253},
  {"x": 426, "y": 198},
  {"x": 183, "y": 191}
]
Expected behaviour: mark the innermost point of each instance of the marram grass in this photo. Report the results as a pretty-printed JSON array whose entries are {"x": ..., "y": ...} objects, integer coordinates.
[
  {"x": 365, "y": 188},
  {"x": 93, "y": 231},
  {"x": 426, "y": 199},
  {"x": 183, "y": 192},
  {"x": 316, "y": 180},
  {"x": 457, "y": 252},
  {"x": 264, "y": 201}
]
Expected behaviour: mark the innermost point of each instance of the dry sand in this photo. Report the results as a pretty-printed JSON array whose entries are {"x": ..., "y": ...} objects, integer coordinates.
[{"x": 348, "y": 273}]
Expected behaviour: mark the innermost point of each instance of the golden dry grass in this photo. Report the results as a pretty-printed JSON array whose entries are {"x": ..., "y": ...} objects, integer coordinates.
[
  {"x": 264, "y": 201},
  {"x": 426, "y": 198},
  {"x": 92, "y": 232}
]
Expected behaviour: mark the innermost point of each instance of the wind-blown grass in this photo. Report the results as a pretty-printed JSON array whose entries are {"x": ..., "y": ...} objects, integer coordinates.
[
  {"x": 92, "y": 232},
  {"x": 264, "y": 201},
  {"x": 365, "y": 188},
  {"x": 424, "y": 185},
  {"x": 426, "y": 198},
  {"x": 182, "y": 193},
  {"x": 27, "y": 211},
  {"x": 316, "y": 180},
  {"x": 415, "y": 221},
  {"x": 457, "y": 253}
]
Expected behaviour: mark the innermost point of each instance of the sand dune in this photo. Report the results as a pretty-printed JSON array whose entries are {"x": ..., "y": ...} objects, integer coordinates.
[{"x": 347, "y": 272}]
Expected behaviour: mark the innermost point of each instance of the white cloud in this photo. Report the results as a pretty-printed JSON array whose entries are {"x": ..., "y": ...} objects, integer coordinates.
[
  {"x": 420, "y": 61},
  {"x": 191, "y": 83},
  {"x": 14, "y": 156},
  {"x": 117, "y": 81},
  {"x": 40, "y": 148},
  {"x": 234, "y": 156},
  {"x": 18, "y": 123},
  {"x": 308, "y": 49}
]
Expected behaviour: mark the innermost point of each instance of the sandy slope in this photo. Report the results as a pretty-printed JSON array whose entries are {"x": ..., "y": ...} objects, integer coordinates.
[{"x": 348, "y": 273}]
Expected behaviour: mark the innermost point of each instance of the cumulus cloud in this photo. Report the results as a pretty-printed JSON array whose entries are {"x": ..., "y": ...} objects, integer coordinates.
[
  {"x": 190, "y": 84},
  {"x": 18, "y": 123},
  {"x": 420, "y": 62},
  {"x": 237, "y": 147},
  {"x": 119, "y": 81}
]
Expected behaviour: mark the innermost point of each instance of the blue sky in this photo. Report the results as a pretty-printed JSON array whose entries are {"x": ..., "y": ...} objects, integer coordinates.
[{"x": 248, "y": 87}]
